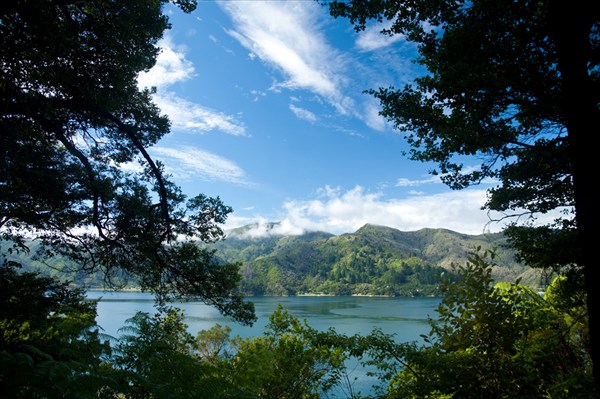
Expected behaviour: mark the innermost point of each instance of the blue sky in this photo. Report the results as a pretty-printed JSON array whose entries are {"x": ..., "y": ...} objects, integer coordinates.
[{"x": 269, "y": 113}]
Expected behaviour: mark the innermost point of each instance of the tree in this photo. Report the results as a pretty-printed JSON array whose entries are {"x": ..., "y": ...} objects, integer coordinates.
[
  {"x": 212, "y": 344},
  {"x": 50, "y": 346},
  {"x": 536, "y": 346},
  {"x": 516, "y": 85},
  {"x": 158, "y": 358},
  {"x": 490, "y": 340},
  {"x": 72, "y": 116},
  {"x": 290, "y": 360},
  {"x": 502, "y": 341},
  {"x": 287, "y": 361}
]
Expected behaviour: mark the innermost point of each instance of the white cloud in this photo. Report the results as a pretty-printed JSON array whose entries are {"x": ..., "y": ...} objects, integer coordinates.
[
  {"x": 437, "y": 179},
  {"x": 187, "y": 163},
  {"x": 338, "y": 212},
  {"x": 171, "y": 67},
  {"x": 188, "y": 116},
  {"x": 372, "y": 39},
  {"x": 403, "y": 182},
  {"x": 372, "y": 118},
  {"x": 262, "y": 227},
  {"x": 303, "y": 113},
  {"x": 257, "y": 94},
  {"x": 285, "y": 36},
  {"x": 131, "y": 167}
]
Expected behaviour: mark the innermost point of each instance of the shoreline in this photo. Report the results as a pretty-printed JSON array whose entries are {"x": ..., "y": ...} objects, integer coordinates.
[{"x": 304, "y": 294}]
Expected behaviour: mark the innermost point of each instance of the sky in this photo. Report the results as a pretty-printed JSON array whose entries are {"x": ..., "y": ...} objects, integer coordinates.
[{"x": 269, "y": 112}]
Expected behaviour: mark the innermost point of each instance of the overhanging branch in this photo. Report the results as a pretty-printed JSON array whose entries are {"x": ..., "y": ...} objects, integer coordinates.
[{"x": 132, "y": 135}]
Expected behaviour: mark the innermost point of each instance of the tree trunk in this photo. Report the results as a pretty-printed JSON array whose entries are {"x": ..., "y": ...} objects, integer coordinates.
[{"x": 571, "y": 27}]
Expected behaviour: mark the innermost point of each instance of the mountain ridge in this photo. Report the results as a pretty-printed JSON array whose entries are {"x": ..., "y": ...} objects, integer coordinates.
[{"x": 373, "y": 260}]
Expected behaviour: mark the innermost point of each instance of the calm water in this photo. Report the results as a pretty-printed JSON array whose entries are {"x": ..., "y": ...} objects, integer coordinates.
[{"x": 407, "y": 318}]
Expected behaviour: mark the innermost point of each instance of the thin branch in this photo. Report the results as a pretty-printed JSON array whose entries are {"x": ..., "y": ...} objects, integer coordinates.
[
  {"x": 91, "y": 175},
  {"x": 133, "y": 136}
]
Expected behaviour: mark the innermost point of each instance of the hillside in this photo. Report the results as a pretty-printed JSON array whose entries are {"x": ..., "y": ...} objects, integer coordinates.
[{"x": 374, "y": 260}]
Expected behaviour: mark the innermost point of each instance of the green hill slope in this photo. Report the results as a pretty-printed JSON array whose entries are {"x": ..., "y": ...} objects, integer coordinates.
[{"x": 374, "y": 260}]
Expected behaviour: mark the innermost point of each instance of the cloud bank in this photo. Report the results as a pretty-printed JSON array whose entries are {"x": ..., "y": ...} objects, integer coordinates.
[{"x": 337, "y": 211}]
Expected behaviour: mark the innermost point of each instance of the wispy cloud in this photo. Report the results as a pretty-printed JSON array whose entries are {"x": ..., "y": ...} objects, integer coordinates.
[
  {"x": 192, "y": 163},
  {"x": 173, "y": 67},
  {"x": 371, "y": 38},
  {"x": 403, "y": 182},
  {"x": 289, "y": 36},
  {"x": 372, "y": 117},
  {"x": 303, "y": 113},
  {"x": 437, "y": 179},
  {"x": 192, "y": 117},
  {"x": 285, "y": 36}
]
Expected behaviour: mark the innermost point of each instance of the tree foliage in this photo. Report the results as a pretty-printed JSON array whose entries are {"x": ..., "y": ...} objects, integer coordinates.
[
  {"x": 501, "y": 341},
  {"x": 489, "y": 340},
  {"x": 288, "y": 361},
  {"x": 50, "y": 346},
  {"x": 72, "y": 118},
  {"x": 162, "y": 359},
  {"x": 157, "y": 358}
]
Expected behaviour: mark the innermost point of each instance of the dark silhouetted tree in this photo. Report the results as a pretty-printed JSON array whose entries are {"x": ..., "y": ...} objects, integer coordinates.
[
  {"x": 515, "y": 84},
  {"x": 71, "y": 116}
]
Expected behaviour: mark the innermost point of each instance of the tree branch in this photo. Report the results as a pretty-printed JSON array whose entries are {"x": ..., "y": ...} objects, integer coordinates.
[
  {"x": 133, "y": 136},
  {"x": 58, "y": 133}
]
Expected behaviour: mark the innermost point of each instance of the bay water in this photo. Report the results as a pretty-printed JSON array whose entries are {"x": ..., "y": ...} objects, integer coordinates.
[{"x": 406, "y": 318}]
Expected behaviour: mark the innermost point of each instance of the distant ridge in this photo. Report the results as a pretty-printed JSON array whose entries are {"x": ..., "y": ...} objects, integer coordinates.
[{"x": 374, "y": 260}]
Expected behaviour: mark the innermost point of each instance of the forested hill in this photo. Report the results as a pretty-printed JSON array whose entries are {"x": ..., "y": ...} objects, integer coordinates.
[{"x": 374, "y": 260}]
